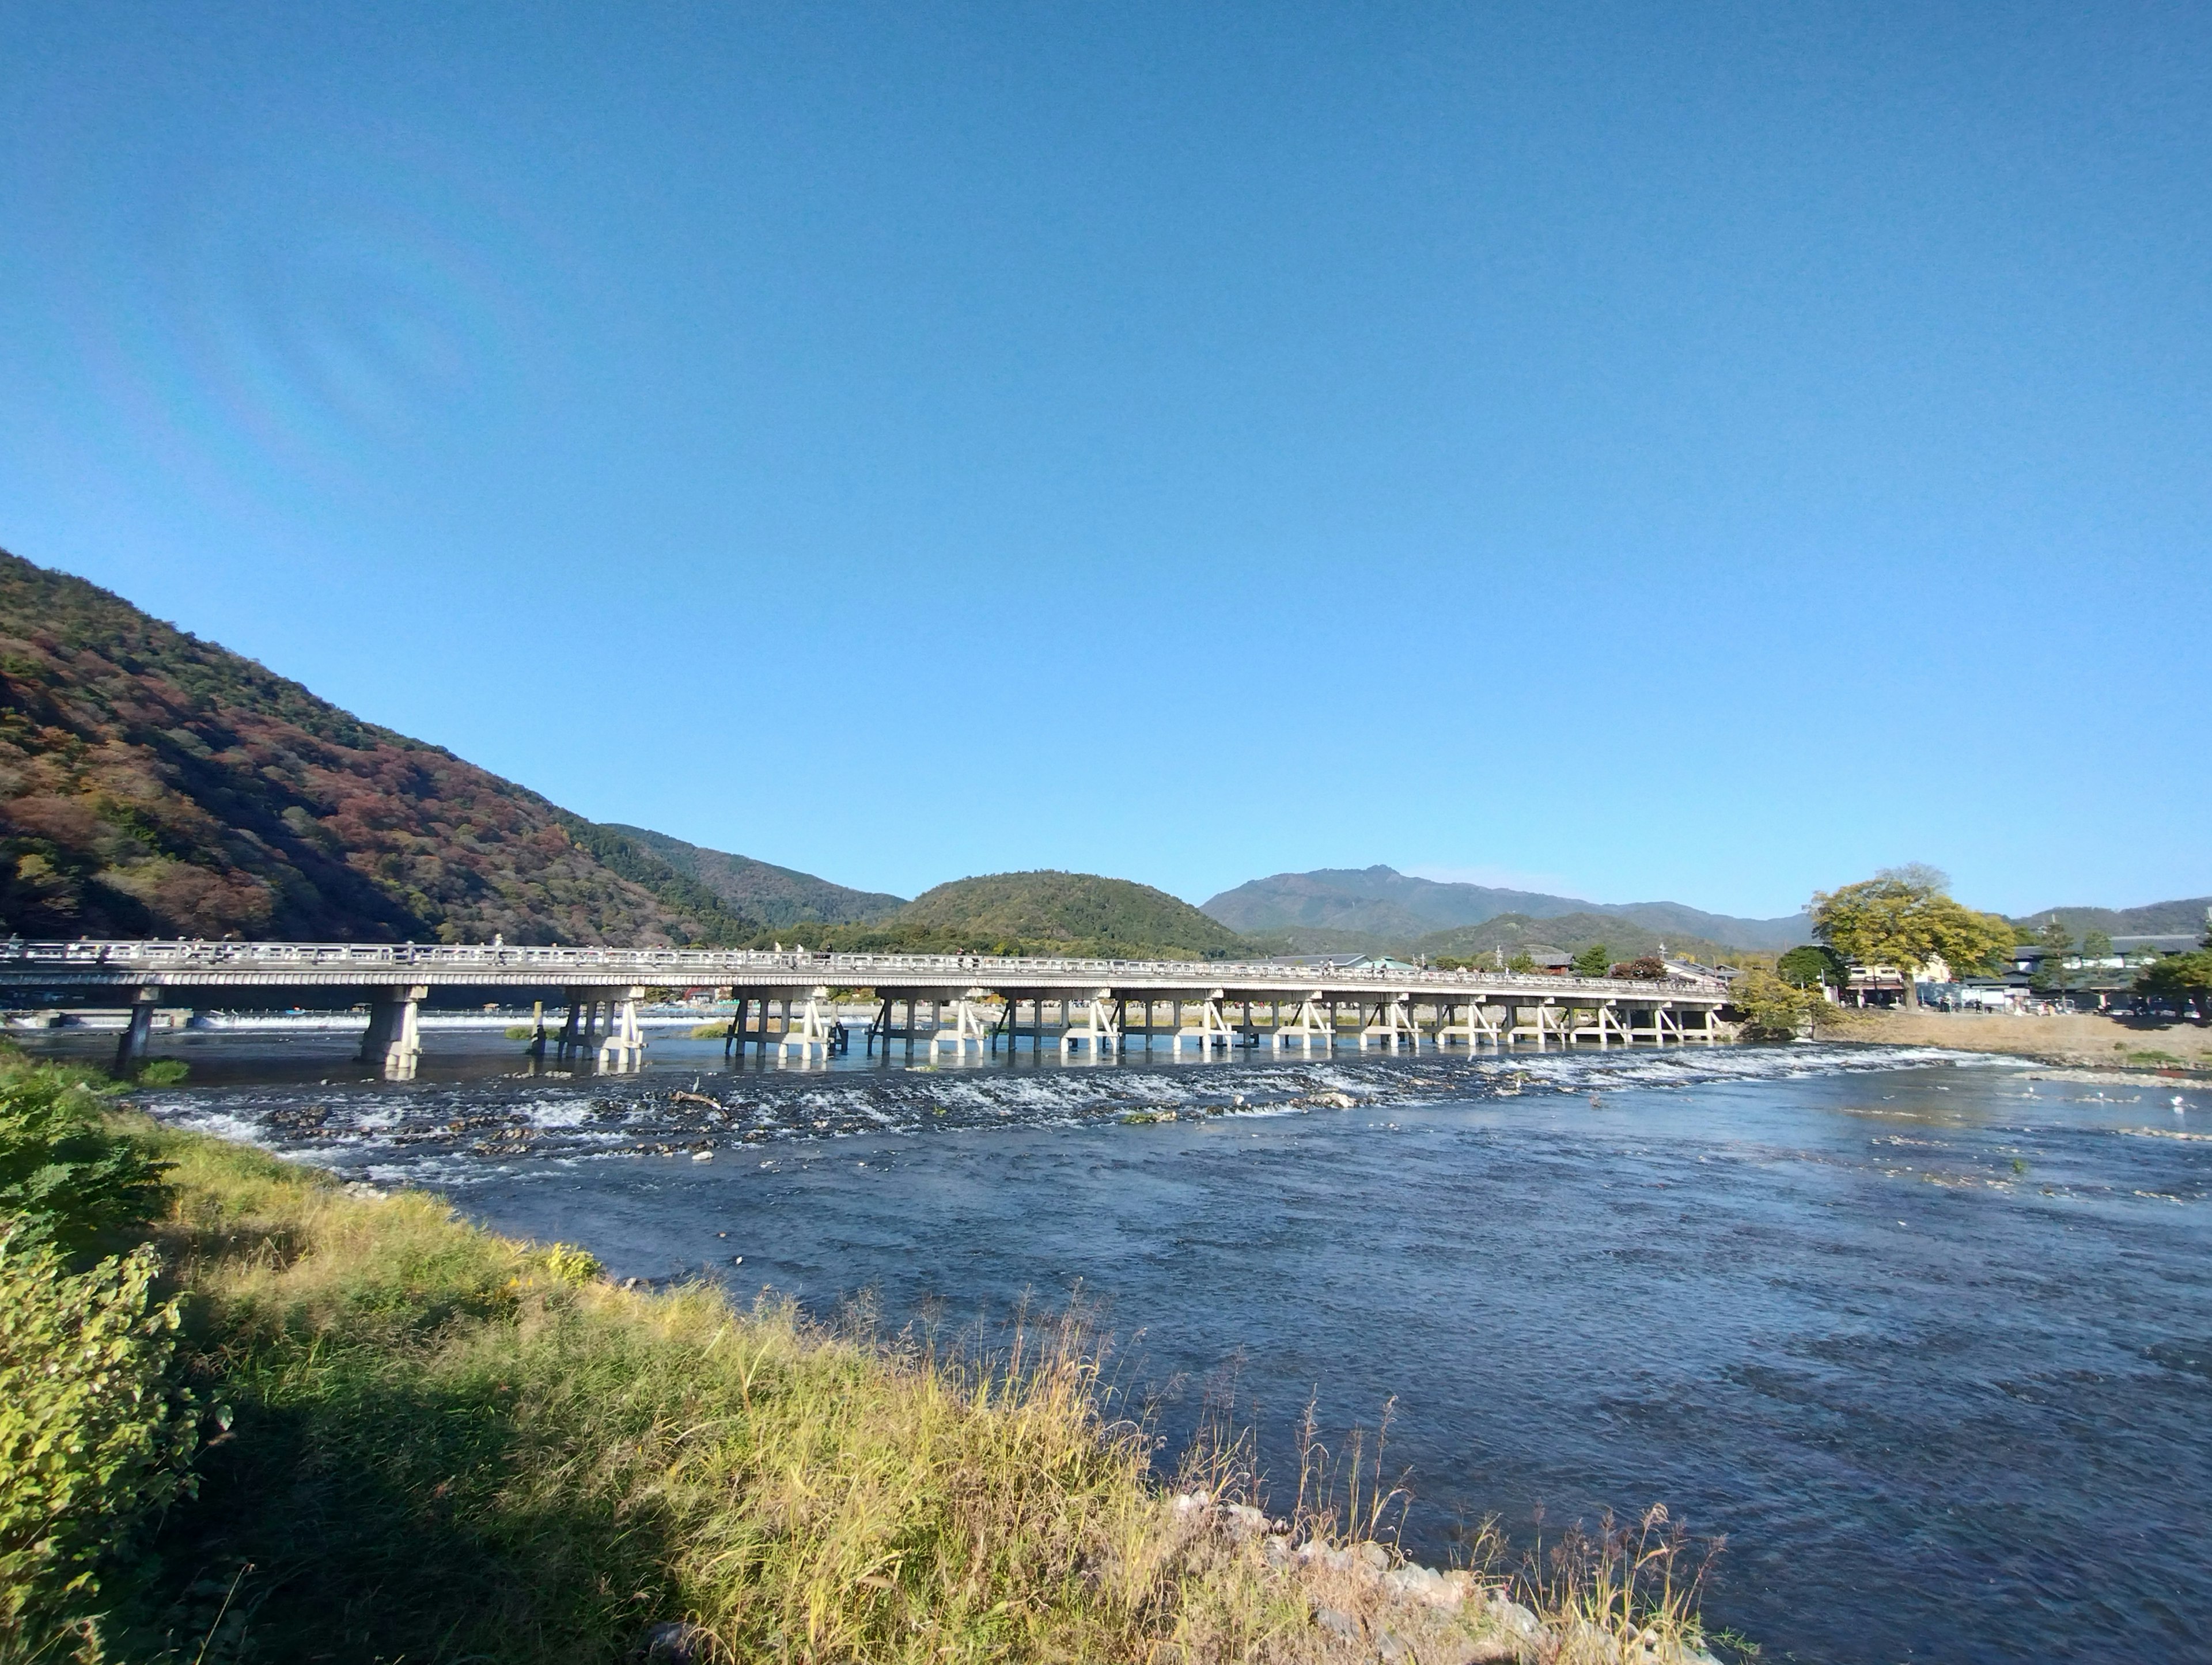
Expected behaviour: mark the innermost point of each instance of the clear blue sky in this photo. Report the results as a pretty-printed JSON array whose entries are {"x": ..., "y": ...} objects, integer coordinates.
[{"x": 1704, "y": 452}]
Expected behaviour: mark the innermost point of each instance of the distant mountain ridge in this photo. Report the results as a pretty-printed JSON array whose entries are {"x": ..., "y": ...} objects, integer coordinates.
[
  {"x": 763, "y": 891},
  {"x": 1083, "y": 915},
  {"x": 1387, "y": 906},
  {"x": 2156, "y": 919}
]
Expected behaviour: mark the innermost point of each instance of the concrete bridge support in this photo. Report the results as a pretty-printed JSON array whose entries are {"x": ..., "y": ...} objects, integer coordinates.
[
  {"x": 1100, "y": 1029},
  {"x": 1308, "y": 1027},
  {"x": 624, "y": 1047},
  {"x": 1480, "y": 1029},
  {"x": 968, "y": 1027},
  {"x": 1394, "y": 1022},
  {"x": 1212, "y": 1029},
  {"x": 130, "y": 1050},
  {"x": 393, "y": 1040},
  {"x": 816, "y": 1032}
]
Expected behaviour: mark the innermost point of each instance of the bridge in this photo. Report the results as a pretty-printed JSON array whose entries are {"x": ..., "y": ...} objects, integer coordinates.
[{"x": 784, "y": 998}]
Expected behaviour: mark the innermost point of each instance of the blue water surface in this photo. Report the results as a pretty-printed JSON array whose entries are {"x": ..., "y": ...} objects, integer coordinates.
[{"x": 1929, "y": 1343}]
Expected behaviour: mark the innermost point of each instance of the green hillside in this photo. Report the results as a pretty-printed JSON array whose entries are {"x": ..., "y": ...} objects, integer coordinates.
[
  {"x": 1568, "y": 932},
  {"x": 1079, "y": 915},
  {"x": 155, "y": 784},
  {"x": 2153, "y": 920},
  {"x": 758, "y": 889}
]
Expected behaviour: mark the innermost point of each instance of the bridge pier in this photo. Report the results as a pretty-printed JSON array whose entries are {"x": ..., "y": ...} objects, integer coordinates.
[
  {"x": 1100, "y": 1031},
  {"x": 130, "y": 1050},
  {"x": 1394, "y": 1021},
  {"x": 967, "y": 1028},
  {"x": 1211, "y": 1028},
  {"x": 625, "y": 1041},
  {"x": 393, "y": 1040},
  {"x": 1306, "y": 1027}
]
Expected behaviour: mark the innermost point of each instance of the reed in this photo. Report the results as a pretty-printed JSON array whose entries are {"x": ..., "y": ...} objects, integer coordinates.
[{"x": 448, "y": 1445}]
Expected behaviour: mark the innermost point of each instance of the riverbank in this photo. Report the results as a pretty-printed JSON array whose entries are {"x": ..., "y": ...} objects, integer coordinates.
[
  {"x": 446, "y": 1444},
  {"x": 2077, "y": 1039}
]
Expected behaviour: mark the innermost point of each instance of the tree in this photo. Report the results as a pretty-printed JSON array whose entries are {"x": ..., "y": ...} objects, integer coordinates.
[
  {"x": 2056, "y": 943},
  {"x": 1594, "y": 961},
  {"x": 1906, "y": 917},
  {"x": 2181, "y": 979},
  {"x": 1648, "y": 966},
  {"x": 1770, "y": 1009},
  {"x": 1522, "y": 961},
  {"x": 1809, "y": 965},
  {"x": 2096, "y": 946}
]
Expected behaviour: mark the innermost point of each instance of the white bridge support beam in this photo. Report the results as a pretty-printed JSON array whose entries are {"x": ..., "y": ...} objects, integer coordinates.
[
  {"x": 1599, "y": 1023},
  {"x": 815, "y": 1030},
  {"x": 624, "y": 1047},
  {"x": 1548, "y": 1024},
  {"x": 1100, "y": 1029},
  {"x": 1308, "y": 1027},
  {"x": 1394, "y": 1022},
  {"x": 1210, "y": 1030},
  {"x": 130, "y": 1050},
  {"x": 1481, "y": 1027},
  {"x": 967, "y": 1027},
  {"x": 393, "y": 1040}
]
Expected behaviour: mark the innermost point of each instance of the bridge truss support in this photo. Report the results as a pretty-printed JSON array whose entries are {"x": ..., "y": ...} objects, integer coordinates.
[
  {"x": 624, "y": 1046},
  {"x": 393, "y": 1040},
  {"x": 1601, "y": 1022},
  {"x": 1481, "y": 1027},
  {"x": 1211, "y": 1029},
  {"x": 1548, "y": 1027},
  {"x": 130, "y": 1050},
  {"x": 968, "y": 1028},
  {"x": 1394, "y": 1022},
  {"x": 1100, "y": 1029},
  {"x": 817, "y": 1029},
  {"x": 1308, "y": 1027}
]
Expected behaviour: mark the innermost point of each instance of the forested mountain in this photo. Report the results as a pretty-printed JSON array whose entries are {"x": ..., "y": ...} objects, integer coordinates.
[
  {"x": 152, "y": 783},
  {"x": 761, "y": 890},
  {"x": 1624, "y": 938},
  {"x": 1079, "y": 915},
  {"x": 1381, "y": 905},
  {"x": 2151, "y": 919}
]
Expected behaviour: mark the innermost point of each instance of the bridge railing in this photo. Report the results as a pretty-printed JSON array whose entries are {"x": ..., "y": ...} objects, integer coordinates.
[{"x": 694, "y": 966}]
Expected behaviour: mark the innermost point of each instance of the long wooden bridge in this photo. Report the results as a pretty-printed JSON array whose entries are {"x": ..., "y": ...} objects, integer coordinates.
[{"x": 785, "y": 998}]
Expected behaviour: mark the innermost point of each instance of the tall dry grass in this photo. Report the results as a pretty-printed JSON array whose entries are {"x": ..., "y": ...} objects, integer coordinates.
[{"x": 449, "y": 1446}]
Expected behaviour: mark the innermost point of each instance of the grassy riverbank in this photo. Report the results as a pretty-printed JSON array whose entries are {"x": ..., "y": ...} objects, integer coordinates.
[
  {"x": 435, "y": 1443},
  {"x": 2078, "y": 1039}
]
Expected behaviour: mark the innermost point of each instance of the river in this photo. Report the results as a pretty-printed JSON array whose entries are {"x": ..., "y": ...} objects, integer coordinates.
[{"x": 1927, "y": 1339}]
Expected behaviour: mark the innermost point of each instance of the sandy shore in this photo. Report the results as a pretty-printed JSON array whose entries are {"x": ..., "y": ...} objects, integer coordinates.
[{"x": 2078, "y": 1039}]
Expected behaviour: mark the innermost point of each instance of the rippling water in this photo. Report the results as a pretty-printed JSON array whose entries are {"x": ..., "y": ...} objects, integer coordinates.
[{"x": 1930, "y": 1342}]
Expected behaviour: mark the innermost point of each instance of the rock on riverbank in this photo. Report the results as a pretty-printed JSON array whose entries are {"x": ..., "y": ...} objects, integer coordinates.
[{"x": 1368, "y": 1604}]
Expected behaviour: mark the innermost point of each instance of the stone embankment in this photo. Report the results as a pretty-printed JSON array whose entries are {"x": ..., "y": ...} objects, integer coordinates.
[{"x": 1368, "y": 1604}]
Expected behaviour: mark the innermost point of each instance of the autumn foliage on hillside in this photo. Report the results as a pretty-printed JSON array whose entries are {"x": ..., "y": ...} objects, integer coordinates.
[{"x": 153, "y": 784}]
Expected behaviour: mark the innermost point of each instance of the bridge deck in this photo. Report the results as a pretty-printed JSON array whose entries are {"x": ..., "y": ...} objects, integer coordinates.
[{"x": 88, "y": 970}]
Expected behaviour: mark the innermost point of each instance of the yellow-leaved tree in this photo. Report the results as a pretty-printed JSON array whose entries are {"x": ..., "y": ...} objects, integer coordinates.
[{"x": 1906, "y": 917}]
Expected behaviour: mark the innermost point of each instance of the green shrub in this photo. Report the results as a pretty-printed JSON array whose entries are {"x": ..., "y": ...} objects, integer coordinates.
[
  {"x": 91, "y": 1439},
  {"x": 69, "y": 1179},
  {"x": 163, "y": 1072}
]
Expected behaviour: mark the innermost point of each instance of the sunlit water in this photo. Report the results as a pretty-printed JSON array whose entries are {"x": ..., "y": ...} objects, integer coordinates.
[{"x": 1930, "y": 1342}]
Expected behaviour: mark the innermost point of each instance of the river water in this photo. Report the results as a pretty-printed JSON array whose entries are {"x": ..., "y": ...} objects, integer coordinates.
[{"x": 1927, "y": 1340}]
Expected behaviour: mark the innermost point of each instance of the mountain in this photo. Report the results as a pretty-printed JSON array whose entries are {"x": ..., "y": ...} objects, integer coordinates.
[
  {"x": 2156, "y": 919},
  {"x": 155, "y": 784},
  {"x": 759, "y": 890},
  {"x": 1571, "y": 933},
  {"x": 1384, "y": 905},
  {"x": 1081, "y": 916}
]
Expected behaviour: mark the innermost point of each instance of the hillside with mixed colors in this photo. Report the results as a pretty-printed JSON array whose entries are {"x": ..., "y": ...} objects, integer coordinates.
[{"x": 155, "y": 784}]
